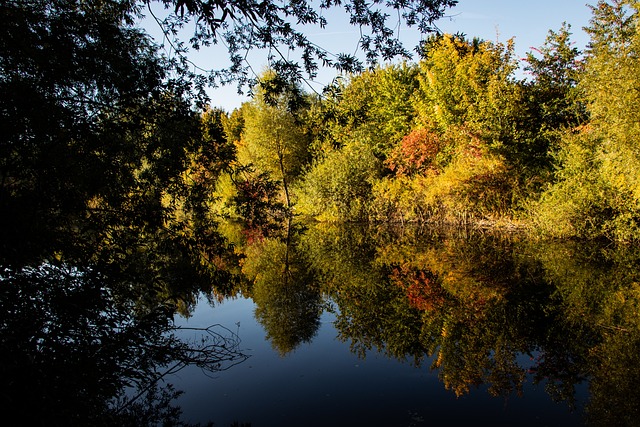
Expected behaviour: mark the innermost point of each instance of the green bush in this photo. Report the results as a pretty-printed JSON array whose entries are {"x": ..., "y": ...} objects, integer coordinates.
[
  {"x": 338, "y": 186},
  {"x": 595, "y": 194}
]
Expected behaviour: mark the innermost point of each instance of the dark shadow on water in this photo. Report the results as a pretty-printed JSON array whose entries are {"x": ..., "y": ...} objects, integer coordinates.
[{"x": 74, "y": 354}]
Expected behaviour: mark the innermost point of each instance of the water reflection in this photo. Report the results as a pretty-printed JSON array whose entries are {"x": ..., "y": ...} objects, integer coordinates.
[
  {"x": 486, "y": 311},
  {"x": 288, "y": 302},
  {"x": 489, "y": 314},
  {"x": 76, "y": 353}
]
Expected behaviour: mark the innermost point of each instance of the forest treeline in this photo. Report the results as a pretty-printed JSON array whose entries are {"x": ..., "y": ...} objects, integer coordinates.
[
  {"x": 114, "y": 175},
  {"x": 461, "y": 136}
]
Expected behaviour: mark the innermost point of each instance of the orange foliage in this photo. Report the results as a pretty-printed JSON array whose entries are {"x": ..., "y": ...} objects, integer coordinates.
[
  {"x": 415, "y": 153},
  {"x": 421, "y": 286}
]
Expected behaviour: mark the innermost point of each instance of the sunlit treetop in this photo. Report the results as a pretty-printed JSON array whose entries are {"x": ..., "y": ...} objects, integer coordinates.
[{"x": 281, "y": 26}]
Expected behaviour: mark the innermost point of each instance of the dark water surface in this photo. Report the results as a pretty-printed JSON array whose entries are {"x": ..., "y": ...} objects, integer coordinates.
[
  {"x": 352, "y": 326},
  {"x": 332, "y": 326},
  {"x": 322, "y": 383}
]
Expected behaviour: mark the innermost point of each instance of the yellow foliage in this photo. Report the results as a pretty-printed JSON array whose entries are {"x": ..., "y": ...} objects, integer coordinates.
[
  {"x": 474, "y": 186},
  {"x": 225, "y": 191}
]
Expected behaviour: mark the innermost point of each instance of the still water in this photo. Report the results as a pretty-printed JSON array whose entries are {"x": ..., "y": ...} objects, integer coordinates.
[
  {"x": 322, "y": 383},
  {"x": 350, "y": 327},
  {"x": 322, "y": 325}
]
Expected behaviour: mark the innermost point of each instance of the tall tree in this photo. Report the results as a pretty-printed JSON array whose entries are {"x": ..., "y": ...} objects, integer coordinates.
[
  {"x": 596, "y": 192},
  {"x": 95, "y": 130},
  {"x": 552, "y": 100},
  {"x": 555, "y": 70},
  {"x": 468, "y": 82},
  {"x": 273, "y": 139}
]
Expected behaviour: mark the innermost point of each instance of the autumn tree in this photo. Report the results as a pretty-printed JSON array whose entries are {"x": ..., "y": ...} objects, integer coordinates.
[
  {"x": 273, "y": 140},
  {"x": 337, "y": 186},
  {"x": 596, "y": 184},
  {"x": 375, "y": 105},
  {"x": 468, "y": 82},
  {"x": 104, "y": 86},
  {"x": 416, "y": 153},
  {"x": 455, "y": 164}
]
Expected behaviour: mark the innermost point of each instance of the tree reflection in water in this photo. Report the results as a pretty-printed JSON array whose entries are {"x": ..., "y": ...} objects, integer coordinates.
[
  {"x": 485, "y": 309},
  {"x": 288, "y": 300},
  {"x": 490, "y": 311},
  {"x": 75, "y": 353}
]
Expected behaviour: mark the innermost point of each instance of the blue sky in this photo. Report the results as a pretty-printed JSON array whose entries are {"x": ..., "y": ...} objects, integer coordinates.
[
  {"x": 494, "y": 20},
  {"x": 527, "y": 21}
]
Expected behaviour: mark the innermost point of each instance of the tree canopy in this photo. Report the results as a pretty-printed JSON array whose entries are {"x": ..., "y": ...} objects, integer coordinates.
[
  {"x": 283, "y": 26},
  {"x": 99, "y": 126}
]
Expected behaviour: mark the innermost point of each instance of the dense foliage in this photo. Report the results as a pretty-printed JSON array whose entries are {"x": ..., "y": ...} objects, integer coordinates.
[
  {"x": 596, "y": 188},
  {"x": 458, "y": 137},
  {"x": 114, "y": 175}
]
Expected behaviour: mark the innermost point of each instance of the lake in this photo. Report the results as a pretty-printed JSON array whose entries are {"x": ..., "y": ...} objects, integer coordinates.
[
  {"x": 323, "y": 383},
  {"x": 353, "y": 325},
  {"x": 320, "y": 325}
]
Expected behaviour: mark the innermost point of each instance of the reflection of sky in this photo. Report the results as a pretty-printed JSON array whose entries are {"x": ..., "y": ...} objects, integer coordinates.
[
  {"x": 323, "y": 384},
  {"x": 493, "y": 20}
]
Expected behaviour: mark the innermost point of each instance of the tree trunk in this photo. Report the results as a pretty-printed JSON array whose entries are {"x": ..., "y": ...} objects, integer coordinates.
[{"x": 284, "y": 181}]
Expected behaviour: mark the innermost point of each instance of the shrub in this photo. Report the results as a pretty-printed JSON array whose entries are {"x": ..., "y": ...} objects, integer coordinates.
[
  {"x": 338, "y": 186},
  {"x": 416, "y": 153}
]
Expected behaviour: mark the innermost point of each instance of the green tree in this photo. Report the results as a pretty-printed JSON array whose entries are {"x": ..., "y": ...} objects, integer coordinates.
[
  {"x": 207, "y": 163},
  {"x": 376, "y": 105},
  {"x": 555, "y": 69},
  {"x": 337, "y": 187},
  {"x": 468, "y": 83},
  {"x": 273, "y": 140},
  {"x": 233, "y": 124},
  {"x": 597, "y": 180},
  {"x": 552, "y": 105}
]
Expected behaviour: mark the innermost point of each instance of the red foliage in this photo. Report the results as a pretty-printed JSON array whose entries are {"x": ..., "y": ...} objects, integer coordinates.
[
  {"x": 253, "y": 234},
  {"x": 421, "y": 286},
  {"x": 415, "y": 153}
]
